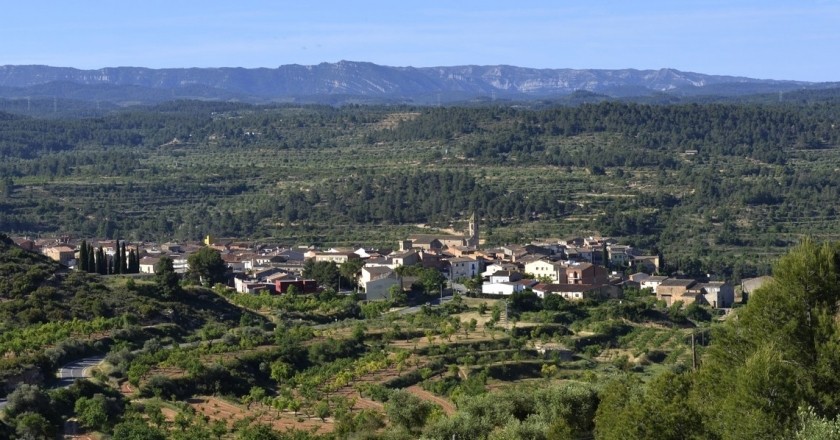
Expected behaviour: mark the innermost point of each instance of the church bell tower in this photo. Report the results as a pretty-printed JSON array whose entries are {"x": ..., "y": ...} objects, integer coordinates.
[{"x": 472, "y": 238}]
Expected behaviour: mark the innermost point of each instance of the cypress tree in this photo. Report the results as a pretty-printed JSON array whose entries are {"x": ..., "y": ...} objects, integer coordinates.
[
  {"x": 123, "y": 262},
  {"x": 133, "y": 262},
  {"x": 101, "y": 262},
  {"x": 115, "y": 261},
  {"x": 83, "y": 257},
  {"x": 91, "y": 255}
]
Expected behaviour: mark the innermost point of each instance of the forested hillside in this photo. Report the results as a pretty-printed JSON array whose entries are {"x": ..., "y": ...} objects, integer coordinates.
[
  {"x": 716, "y": 187},
  {"x": 49, "y": 315}
]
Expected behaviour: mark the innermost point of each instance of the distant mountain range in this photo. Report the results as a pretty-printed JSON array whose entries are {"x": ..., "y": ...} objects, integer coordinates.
[{"x": 362, "y": 82}]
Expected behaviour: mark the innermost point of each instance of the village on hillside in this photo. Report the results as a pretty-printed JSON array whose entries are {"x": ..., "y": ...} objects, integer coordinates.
[{"x": 574, "y": 268}]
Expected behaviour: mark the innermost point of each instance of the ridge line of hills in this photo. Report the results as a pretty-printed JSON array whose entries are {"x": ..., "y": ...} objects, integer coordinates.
[{"x": 347, "y": 82}]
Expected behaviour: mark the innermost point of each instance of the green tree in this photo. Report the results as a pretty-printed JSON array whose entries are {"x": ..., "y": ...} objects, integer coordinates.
[
  {"x": 33, "y": 426},
  {"x": 207, "y": 266},
  {"x": 28, "y": 398},
  {"x": 117, "y": 260},
  {"x": 258, "y": 432},
  {"x": 95, "y": 412},
  {"x": 123, "y": 259},
  {"x": 474, "y": 284},
  {"x": 255, "y": 395},
  {"x": 325, "y": 273},
  {"x": 780, "y": 354},
  {"x": 133, "y": 261},
  {"x": 281, "y": 371},
  {"x": 432, "y": 280},
  {"x": 137, "y": 429},
  {"x": 101, "y": 262},
  {"x": 814, "y": 427},
  {"x": 397, "y": 295},
  {"x": 407, "y": 410},
  {"x": 322, "y": 410},
  {"x": 91, "y": 255},
  {"x": 349, "y": 270},
  {"x": 83, "y": 257},
  {"x": 166, "y": 278}
]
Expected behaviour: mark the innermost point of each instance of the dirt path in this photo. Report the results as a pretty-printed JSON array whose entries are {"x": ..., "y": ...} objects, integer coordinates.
[{"x": 446, "y": 404}]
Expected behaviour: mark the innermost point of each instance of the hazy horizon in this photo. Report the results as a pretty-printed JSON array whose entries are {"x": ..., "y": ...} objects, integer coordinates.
[{"x": 779, "y": 40}]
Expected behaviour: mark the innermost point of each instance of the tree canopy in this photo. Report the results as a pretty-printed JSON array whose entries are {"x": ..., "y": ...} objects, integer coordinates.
[{"x": 207, "y": 266}]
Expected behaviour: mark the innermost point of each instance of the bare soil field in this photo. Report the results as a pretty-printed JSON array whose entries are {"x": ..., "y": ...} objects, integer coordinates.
[{"x": 218, "y": 409}]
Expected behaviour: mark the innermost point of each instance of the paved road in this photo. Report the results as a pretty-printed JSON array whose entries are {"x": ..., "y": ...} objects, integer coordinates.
[
  {"x": 416, "y": 309},
  {"x": 80, "y": 369},
  {"x": 68, "y": 373}
]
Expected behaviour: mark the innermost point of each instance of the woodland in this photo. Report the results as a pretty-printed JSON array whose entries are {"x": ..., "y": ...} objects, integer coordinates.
[{"x": 720, "y": 188}]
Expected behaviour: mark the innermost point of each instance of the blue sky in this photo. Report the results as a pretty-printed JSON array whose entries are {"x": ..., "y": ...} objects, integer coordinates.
[{"x": 762, "y": 39}]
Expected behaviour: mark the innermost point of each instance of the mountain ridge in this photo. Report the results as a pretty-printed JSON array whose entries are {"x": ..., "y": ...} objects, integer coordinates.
[{"x": 365, "y": 80}]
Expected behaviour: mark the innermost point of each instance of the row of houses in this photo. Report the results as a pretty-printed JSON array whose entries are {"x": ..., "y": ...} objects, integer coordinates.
[{"x": 575, "y": 268}]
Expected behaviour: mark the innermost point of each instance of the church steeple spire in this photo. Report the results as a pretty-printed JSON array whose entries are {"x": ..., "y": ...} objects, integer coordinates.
[{"x": 473, "y": 237}]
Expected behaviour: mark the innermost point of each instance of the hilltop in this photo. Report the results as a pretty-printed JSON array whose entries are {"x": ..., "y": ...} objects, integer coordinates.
[{"x": 362, "y": 82}]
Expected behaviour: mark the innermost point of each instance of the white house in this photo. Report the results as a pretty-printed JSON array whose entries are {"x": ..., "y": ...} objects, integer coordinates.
[
  {"x": 620, "y": 255},
  {"x": 718, "y": 294},
  {"x": 370, "y": 273},
  {"x": 541, "y": 269},
  {"x": 576, "y": 292},
  {"x": 335, "y": 257},
  {"x": 495, "y": 267},
  {"x": 501, "y": 288},
  {"x": 462, "y": 267},
  {"x": 639, "y": 277},
  {"x": 377, "y": 282},
  {"x": 147, "y": 264},
  {"x": 504, "y": 276},
  {"x": 253, "y": 287},
  {"x": 404, "y": 258},
  {"x": 180, "y": 264},
  {"x": 652, "y": 282},
  {"x": 507, "y": 288}
]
